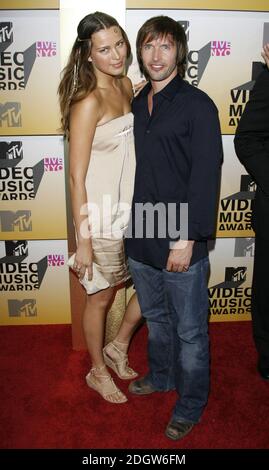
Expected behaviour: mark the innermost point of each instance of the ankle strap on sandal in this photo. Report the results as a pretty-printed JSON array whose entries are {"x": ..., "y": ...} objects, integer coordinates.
[
  {"x": 99, "y": 369},
  {"x": 119, "y": 342},
  {"x": 123, "y": 356}
]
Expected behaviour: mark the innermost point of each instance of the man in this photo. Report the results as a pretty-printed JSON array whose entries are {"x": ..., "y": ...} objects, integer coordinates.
[
  {"x": 179, "y": 154},
  {"x": 252, "y": 148}
]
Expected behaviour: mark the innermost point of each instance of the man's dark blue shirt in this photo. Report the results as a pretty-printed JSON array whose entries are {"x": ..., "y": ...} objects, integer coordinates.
[{"x": 178, "y": 159}]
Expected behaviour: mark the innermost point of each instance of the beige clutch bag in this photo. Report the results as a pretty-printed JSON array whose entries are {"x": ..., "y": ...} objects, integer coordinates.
[{"x": 97, "y": 283}]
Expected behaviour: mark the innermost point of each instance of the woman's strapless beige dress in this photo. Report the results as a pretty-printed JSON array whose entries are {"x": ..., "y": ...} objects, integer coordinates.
[{"x": 109, "y": 185}]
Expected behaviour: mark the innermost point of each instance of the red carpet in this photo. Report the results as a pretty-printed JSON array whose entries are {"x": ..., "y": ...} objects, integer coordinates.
[{"x": 45, "y": 402}]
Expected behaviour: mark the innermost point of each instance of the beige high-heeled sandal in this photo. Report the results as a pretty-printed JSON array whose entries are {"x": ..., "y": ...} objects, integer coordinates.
[
  {"x": 106, "y": 387},
  {"x": 117, "y": 360}
]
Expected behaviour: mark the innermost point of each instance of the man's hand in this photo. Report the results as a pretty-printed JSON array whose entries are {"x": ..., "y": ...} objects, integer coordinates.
[
  {"x": 265, "y": 54},
  {"x": 180, "y": 256}
]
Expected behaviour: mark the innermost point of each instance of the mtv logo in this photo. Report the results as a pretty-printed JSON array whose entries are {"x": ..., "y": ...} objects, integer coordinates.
[
  {"x": 247, "y": 184},
  {"x": 244, "y": 247},
  {"x": 16, "y": 251},
  {"x": 252, "y": 186},
  {"x": 186, "y": 26},
  {"x": 10, "y": 114},
  {"x": 6, "y": 35},
  {"x": 234, "y": 277},
  {"x": 11, "y": 153},
  {"x": 18, "y": 308},
  {"x": 19, "y": 221},
  {"x": 236, "y": 274},
  {"x": 16, "y": 248}
]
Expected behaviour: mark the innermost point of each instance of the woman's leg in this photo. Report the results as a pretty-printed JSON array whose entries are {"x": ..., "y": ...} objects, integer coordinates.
[
  {"x": 115, "y": 352},
  {"x": 130, "y": 321},
  {"x": 93, "y": 321}
]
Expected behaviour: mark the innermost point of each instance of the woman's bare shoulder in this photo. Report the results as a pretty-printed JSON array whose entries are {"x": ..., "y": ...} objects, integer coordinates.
[{"x": 88, "y": 106}]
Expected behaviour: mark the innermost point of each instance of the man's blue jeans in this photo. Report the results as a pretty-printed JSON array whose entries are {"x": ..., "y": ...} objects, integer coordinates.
[{"x": 175, "y": 306}]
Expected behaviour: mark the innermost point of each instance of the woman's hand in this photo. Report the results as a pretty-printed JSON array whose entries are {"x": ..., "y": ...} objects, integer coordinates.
[
  {"x": 137, "y": 87},
  {"x": 83, "y": 259}
]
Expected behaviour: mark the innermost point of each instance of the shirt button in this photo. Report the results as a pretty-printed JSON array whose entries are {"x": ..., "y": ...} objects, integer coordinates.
[{"x": 148, "y": 131}]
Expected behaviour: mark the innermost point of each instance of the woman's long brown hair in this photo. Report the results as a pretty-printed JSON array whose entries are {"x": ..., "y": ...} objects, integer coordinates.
[{"x": 78, "y": 77}]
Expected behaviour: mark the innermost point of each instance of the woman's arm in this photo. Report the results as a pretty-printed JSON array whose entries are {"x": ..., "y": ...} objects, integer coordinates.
[{"x": 84, "y": 117}]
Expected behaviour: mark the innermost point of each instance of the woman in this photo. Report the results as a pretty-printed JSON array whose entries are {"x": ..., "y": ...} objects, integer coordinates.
[{"x": 95, "y": 99}]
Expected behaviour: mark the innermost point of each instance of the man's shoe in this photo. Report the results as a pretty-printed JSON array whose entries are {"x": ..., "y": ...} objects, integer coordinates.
[
  {"x": 178, "y": 429},
  {"x": 264, "y": 372},
  {"x": 141, "y": 387}
]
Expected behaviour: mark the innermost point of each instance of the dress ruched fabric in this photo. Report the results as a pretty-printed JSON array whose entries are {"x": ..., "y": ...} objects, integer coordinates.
[{"x": 109, "y": 186}]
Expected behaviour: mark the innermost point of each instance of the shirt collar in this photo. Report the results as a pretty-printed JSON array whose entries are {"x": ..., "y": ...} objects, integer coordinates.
[{"x": 169, "y": 91}]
